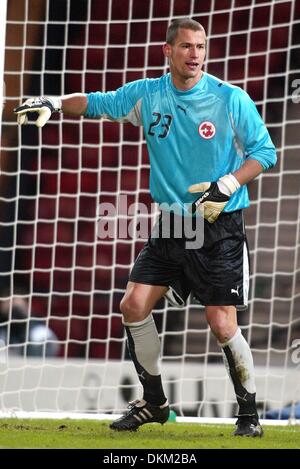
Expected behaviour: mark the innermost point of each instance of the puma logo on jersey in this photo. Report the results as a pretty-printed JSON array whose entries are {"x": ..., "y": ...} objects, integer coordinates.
[
  {"x": 235, "y": 291},
  {"x": 182, "y": 108}
]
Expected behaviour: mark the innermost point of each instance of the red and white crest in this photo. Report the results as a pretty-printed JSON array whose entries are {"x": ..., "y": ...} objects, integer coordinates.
[{"x": 207, "y": 130}]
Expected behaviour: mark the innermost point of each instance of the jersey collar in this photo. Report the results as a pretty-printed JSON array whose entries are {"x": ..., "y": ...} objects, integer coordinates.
[{"x": 198, "y": 87}]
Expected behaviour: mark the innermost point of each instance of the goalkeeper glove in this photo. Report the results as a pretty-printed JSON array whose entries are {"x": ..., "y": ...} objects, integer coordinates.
[
  {"x": 42, "y": 105},
  {"x": 215, "y": 197}
]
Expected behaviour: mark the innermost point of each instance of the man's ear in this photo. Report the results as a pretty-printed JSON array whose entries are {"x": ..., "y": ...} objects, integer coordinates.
[{"x": 167, "y": 50}]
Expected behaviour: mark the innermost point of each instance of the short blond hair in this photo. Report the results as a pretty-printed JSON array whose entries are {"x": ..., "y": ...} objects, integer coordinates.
[{"x": 182, "y": 23}]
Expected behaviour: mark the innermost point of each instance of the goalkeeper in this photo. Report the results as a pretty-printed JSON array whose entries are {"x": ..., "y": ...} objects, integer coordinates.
[{"x": 206, "y": 141}]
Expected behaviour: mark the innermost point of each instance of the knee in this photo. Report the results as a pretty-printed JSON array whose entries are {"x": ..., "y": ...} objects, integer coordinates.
[
  {"x": 131, "y": 309},
  {"x": 222, "y": 322},
  {"x": 222, "y": 331}
]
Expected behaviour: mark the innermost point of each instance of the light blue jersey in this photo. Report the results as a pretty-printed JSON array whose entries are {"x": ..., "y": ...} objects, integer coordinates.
[{"x": 192, "y": 136}]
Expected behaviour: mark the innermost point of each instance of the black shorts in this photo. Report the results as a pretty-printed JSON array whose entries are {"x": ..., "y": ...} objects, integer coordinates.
[{"x": 216, "y": 274}]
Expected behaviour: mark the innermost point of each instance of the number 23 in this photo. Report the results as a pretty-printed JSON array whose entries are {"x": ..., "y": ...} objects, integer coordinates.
[{"x": 166, "y": 123}]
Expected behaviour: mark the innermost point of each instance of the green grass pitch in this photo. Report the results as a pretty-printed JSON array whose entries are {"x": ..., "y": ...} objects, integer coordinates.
[{"x": 88, "y": 434}]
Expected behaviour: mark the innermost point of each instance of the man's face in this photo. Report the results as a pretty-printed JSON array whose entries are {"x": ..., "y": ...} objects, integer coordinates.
[{"x": 186, "y": 55}]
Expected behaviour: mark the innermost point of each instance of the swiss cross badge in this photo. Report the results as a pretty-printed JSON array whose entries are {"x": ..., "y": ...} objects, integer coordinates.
[{"x": 207, "y": 130}]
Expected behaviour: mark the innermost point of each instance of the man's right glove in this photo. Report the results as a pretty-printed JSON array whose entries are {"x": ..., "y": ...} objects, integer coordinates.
[{"x": 44, "y": 106}]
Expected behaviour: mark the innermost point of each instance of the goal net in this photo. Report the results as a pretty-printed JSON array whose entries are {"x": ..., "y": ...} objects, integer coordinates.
[{"x": 62, "y": 345}]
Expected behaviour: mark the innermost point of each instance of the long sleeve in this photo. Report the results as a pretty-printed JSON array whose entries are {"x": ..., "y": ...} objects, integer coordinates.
[
  {"x": 122, "y": 105},
  {"x": 252, "y": 136}
]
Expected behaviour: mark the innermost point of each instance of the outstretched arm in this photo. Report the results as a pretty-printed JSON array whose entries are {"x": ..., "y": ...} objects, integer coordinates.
[
  {"x": 72, "y": 104},
  {"x": 122, "y": 105}
]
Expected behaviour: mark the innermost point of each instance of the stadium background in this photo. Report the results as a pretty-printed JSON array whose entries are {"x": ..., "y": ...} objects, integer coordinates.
[{"x": 50, "y": 194}]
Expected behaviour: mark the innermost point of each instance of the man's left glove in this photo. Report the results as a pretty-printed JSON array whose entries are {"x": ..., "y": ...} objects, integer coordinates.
[
  {"x": 215, "y": 196},
  {"x": 44, "y": 106}
]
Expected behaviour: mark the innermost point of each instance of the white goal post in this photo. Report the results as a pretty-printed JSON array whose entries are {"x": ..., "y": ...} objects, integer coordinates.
[{"x": 68, "y": 354}]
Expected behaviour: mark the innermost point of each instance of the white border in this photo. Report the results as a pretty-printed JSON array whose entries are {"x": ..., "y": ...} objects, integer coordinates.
[{"x": 2, "y": 55}]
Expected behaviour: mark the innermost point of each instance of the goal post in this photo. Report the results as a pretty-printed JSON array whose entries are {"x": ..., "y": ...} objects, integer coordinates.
[{"x": 77, "y": 209}]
